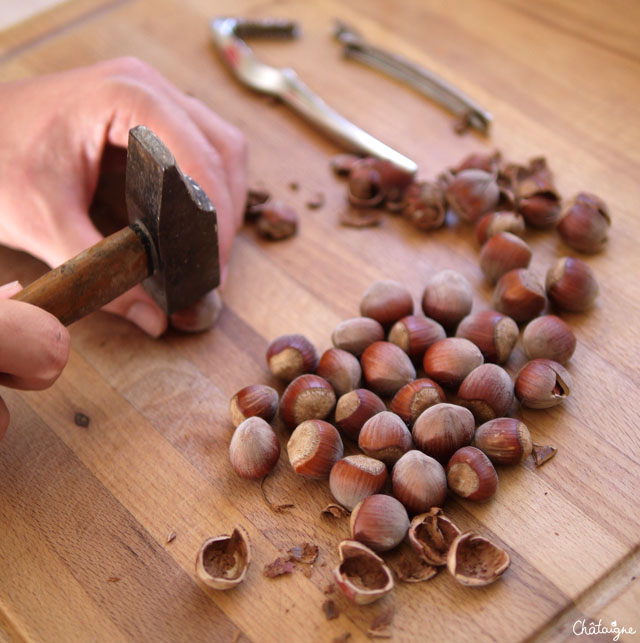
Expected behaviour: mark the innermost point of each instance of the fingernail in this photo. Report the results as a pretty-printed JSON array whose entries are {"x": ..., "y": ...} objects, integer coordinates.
[
  {"x": 148, "y": 318},
  {"x": 10, "y": 289}
]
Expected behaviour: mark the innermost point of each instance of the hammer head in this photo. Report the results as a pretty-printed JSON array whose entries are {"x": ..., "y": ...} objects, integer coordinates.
[{"x": 178, "y": 220}]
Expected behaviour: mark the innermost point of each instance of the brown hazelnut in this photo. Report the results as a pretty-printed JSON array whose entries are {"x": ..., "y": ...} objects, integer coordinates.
[
  {"x": 276, "y": 220},
  {"x": 447, "y": 298},
  {"x": 222, "y": 562},
  {"x": 307, "y": 397},
  {"x": 487, "y": 392},
  {"x": 364, "y": 184},
  {"x": 450, "y": 360},
  {"x": 355, "y": 408},
  {"x": 431, "y": 535},
  {"x": 504, "y": 440},
  {"x": 355, "y": 334},
  {"x": 362, "y": 576},
  {"x": 540, "y": 210},
  {"x": 385, "y": 437},
  {"x": 254, "y": 400},
  {"x": 571, "y": 285},
  {"x": 549, "y": 337},
  {"x": 289, "y": 356},
  {"x": 386, "y": 368},
  {"x": 472, "y": 193},
  {"x": 442, "y": 429},
  {"x": 424, "y": 205},
  {"x": 419, "y": 482},
  {"x": 414, "y": 334},
  {"x": 413, "y": 398},
  {"x": 519, "y": 294},
  {"x": 494, "y": 333},
  {"x": 475, "y": 561},
  {"x": 386, "y": 301},
  {"x": 501, "y": 253},
  {"x": 254, "y": 448},
  {"x": 380, "y": 522},
  {"x": 542, "y": 383},
  {"x": 341, "y": 369},
  {"x": 471, "y": 475},
  {"x": 584, "y": 223},
  {"x": 535, "y": 192},
  {"x": 495, "y": 222},
  {"x": 355, "y": 477},
  {"x": 313, "y": 448},
  {"x": 489, "y": 162}
]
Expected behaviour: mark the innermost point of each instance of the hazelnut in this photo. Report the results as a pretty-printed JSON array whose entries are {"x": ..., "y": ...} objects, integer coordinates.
[
  {"x": 199, "y": 316},
  {"x": 256, "y": 400},
  {"x": 471, "y": 475},
  {"x": 364, "y": 184},
  {"x": 540, "y": 210},
  {"x": 475, "y": 561},
  {"x": 414, "y": 334},
  {"x": 442, "y": 429},
  {"x": 413, "y": 398},
  {"x": 571, "y": 285},
  {"x": 254, "y": 448},
  {"x": 501, "y": 253},
  {"x": 495, "y": 222},
  {"x": 542, "y": 383},
  {"x": 450, "y": 360},
  {"x": 289, "y": 356},
  {"x": 307, "y": 397},
  {"x": 355, "y": 408},
  {"x": 386, "y": 301},
  {"x": 549, "y": 337},
  {"x": 472, "y": 193},
  {"x": 419, "y": 482},
  {"x": 222, "y": 561},
  {"x": 487, "y": 392},
  {"x": 584, "y": 223},
  {"x": 447, "y": 298},
  {"x": 355, "y": 477},
  {"x": 355, "y": 334},
  {"x": 431, "y": 535},
  {"x": 480, "y": 161},
  {"x": 362, "y": 576},
  {"x": 504, "y": 440},
  {"x": 535, "y": 192},
  {"x": 424, "y": 205},
  {"x": 341, "y": 369},
  {"x": 386, "y": 368},
  {"x": 276, "y": 220},
  {"x": 380, "y": 522},
  {"x": 519, "y": 294},
  {"x": 385, "y": 437},
  {"x": 313, "y": 448},
  {"x": 494, "y": 333}
]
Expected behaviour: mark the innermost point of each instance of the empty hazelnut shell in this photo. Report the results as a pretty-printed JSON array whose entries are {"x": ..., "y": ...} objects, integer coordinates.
[
  {"x": 362, "y": 576},
  {"x": 254, "y": 448},
  {"x": 471, "y": 475},
  {"x": 431, "y": 535},
  {"x": 380, "y": 522},
  {"x": 542, "y": 383},
  {"x": 386, "y": 301},
  {"x": 289, "y": 356},
  {"x": 313, "y": 448},
  {"x": 306, "y": 397},
  {"x": 254, "y": 400},
  {"x": 475, "y": 561},
  {"x": 355, "y": 477},
  {"x": 222, "y": 561},
  {"x": 386, "y": 368},
  {"x": 442, "y": 429},
  {"x": 415, "y": 397},
  {"x": 494, "y": 333},
  {"x": 355, "y": 408},
  {"x": 419, "y": 482},
  {"x": 487, "y": 392},
  {"x": 385, "y": 437}
]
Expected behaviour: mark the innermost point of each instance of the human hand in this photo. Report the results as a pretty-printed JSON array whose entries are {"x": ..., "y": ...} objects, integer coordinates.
[
  {"x": 34, "y": 347},
  {"x": 55, "y": 130}
]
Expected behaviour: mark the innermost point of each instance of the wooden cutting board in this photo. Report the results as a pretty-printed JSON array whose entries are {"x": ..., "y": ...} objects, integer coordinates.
[{"x": 86, "y": 513}]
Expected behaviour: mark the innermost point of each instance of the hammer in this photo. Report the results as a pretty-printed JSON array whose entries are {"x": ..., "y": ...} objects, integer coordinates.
[{"x": 171, "y": 243}]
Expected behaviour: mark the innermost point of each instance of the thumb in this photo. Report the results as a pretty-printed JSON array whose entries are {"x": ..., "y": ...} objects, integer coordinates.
[
  {"x": 9, "y": 290},
  {"x": 138, "y": 307}
]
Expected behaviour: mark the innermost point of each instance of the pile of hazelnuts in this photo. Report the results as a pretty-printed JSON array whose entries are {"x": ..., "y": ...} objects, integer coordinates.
[{"x": 445, "y": 428}]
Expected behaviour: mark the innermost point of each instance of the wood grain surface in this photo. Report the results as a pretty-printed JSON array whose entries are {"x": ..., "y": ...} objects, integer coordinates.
[{"x": 85, "y": 512}]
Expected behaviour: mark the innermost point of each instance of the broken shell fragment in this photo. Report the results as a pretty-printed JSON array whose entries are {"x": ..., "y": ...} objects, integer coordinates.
[
  {"x": 362, "y": 576},
  {"x": 475, "y": 561},
  {"x": 222, "y": 561},
  {"x": 431, "y": 535}
]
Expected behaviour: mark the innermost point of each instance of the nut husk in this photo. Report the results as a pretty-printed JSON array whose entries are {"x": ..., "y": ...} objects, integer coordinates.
[{"x": 222, "y": 561}]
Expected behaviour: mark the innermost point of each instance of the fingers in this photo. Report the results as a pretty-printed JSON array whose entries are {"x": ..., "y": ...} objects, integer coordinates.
[
  {"x": 9, "y": 290},
  {"x": 139, "y": 307},
  {"x": 34, "y": 346}
]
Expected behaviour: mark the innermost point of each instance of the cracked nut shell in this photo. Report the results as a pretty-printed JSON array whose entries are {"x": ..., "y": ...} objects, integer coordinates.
[
  {"x": 475, "y": 561},
  {"x": 431, "y": 535},
  {"x": 222, "y": 562},
  {"x": 542, "y": 383}
]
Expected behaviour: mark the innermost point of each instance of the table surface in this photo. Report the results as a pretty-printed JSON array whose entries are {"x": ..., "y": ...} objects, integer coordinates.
[{"x": 86, "y": 512}]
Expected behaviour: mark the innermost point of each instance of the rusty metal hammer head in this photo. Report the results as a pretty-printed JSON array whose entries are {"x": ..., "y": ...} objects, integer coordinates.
[{"x": 176, "y": 220}]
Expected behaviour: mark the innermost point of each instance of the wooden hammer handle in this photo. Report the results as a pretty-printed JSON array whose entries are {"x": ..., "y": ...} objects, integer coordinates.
[{"x": 91, "y": 279}]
